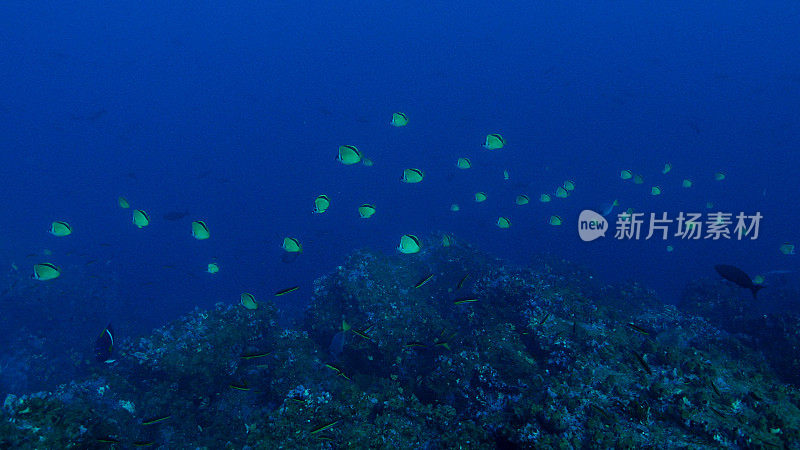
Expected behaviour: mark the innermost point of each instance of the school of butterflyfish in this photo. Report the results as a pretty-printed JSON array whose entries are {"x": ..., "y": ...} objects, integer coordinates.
[{"x": 409, "y": 244}]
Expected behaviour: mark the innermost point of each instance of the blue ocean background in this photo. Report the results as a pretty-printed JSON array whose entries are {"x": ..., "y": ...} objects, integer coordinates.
[{"x": 234, "y": 113}]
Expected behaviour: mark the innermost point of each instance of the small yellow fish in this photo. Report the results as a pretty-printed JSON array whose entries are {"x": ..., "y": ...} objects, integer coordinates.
[
  {"x": 248, "y": 300},
  {"x": 45, "y": 271},
  {"x": 409, "y": 244},
  {"x": 291, "y": 245},
  {"x": 366, "y": 211},
  {"x": 200, "y": 230},
  {"x": 412, "y": 176},
  {"x": 463, "y": 163},
  {"x": 140, "y": 218},
  {"x": 60, "y": 228},
  {"x": 321, "y": 204},
  {"x": 348, "y": 155},
  {"x": 399, "y": 120},
  {"x": 494, "y": 142},
  {"x": 447, "y": 240}
]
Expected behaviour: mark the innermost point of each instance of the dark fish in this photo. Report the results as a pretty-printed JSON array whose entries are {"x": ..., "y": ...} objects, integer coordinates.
[
  {"x": 362, "y": 334},
  {"x": 694, "y": 126},
  {"x": 104, "y": 345},
  {"x": 461, "y": 281},
  {"x": 322, "y": 428},
  {"x": 737, "y": 275},
  {"x": 175, "y": 215},
  {"x": 154, "y": 420},
  {"x": 336, "y": 346},
  {"x": 463, "y": 300},
  {"x": 642, "y": 362},
  {"x": 717, "y": 412},
  {"x": 97, "y": 114},
  {"x": 546, "y": 316},
  {"x": 56, "y": 54},
  {"x": 600, "y": 410},
  {"x": 289, "y": 257},
  {"x": 333, "y": 368},
  {"x": 520, "y": 185},
  {"x": 769, "y": 444},
  {"x": 239, "y": 387},
  {"x": 254, "y": 355},
  {"x": 286, "y": 291},
  {"x": 422, "y": 282},
  {"x": 90, "y": 117},
  {"x": 637, "y": 328}
]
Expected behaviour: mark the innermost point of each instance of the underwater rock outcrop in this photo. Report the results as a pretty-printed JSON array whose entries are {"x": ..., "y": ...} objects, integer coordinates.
[
  {"x": 444, "y": 348},
  {"x": 772, "y": 327}
]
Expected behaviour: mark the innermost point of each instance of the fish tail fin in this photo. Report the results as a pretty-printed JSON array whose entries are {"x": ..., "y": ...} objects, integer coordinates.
[{"x": 755, "y": 290}]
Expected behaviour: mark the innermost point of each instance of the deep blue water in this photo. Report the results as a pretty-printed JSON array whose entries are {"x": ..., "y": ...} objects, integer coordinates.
[{"x": 234, "y": 112}]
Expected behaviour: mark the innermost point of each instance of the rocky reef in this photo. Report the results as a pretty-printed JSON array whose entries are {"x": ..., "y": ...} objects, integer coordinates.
[{"x": 447, "y": 348}]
